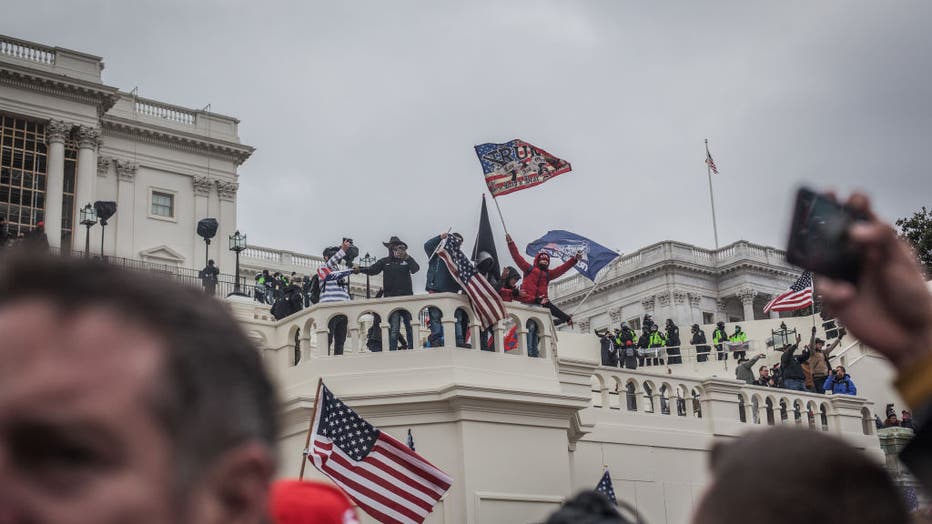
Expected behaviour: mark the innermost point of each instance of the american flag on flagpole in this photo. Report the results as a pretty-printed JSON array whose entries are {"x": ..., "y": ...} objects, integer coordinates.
[
  {"x": 708, "y": 159},
  {"x": 485, "y": 300},
  {"x": 388, "y": 480},
  {"x": 798, "y": 296}
]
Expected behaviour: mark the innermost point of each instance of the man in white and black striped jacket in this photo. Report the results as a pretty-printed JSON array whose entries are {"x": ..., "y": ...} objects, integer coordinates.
[{"x": 334, "y": 289}]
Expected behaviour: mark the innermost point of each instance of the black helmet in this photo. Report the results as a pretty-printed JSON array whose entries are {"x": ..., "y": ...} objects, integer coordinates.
[
  {"x": 695, "y": 327},
  {"x": 484, "y": 262},
  {"x": 720, "y": 324}
]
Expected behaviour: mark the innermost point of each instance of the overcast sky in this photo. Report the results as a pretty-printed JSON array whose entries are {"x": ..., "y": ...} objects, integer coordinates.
[{"x": 364, "y": 114}]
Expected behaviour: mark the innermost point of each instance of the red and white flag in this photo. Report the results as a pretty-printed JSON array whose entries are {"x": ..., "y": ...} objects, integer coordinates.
[
  {"x": 385, "y": 477},
  {"x": 708, "y": 159},
  {"x": 798, "y": 296}
]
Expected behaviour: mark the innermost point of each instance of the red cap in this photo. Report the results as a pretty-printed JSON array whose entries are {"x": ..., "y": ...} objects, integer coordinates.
[{"x": 310, "y": 502}]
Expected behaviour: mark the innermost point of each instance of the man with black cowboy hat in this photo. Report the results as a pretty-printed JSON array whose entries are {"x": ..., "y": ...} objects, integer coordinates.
[{"x": 396, "y": 270}]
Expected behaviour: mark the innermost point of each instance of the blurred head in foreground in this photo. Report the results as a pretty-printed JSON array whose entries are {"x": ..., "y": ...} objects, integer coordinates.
[{"x": 125, "y": 397}]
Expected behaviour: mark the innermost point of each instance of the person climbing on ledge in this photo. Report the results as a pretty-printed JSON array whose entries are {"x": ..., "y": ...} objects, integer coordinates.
[{"x": 537, "y": 277}]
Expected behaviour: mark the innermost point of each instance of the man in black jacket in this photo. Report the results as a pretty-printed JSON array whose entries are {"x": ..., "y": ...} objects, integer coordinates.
[
  {"x": 793, "y": 376},
  {"x": 699, "y": 340},
  {"x": 673, "y": 342},
  {"x": 396, "y": 270}
]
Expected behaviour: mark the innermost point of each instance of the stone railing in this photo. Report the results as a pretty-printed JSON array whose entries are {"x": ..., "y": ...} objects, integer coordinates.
[
  {"x": 310, "y": 326},
  {"x": 27, "y": 50},
  {"x": 730, "y": 406},
  {"x": 172, "y": 113},
  {"x": 675, "y": 252},
  {"x": 280, "y": 259},
  {"x": 262, "y": 253}
]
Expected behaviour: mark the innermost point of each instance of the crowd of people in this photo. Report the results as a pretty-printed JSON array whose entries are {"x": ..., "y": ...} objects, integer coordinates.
[{"x": 528, "y": 284}]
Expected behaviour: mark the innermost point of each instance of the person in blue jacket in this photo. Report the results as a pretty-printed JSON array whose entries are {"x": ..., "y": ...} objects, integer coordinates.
[
  {"x": 839, "y": 383},
  {"x": 439, "y": 280}
]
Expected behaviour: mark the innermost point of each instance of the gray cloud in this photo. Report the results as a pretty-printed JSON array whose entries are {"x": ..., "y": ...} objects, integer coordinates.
[{"x": 364, "y": 113}]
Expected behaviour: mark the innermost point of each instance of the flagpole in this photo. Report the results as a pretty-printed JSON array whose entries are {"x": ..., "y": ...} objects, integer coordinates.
[
  {"x": 500, "y": 216},
  {"x": 310, "y": 428},
  {"x": 708, "y": 169},
  {"x": 594, "y": 284}
]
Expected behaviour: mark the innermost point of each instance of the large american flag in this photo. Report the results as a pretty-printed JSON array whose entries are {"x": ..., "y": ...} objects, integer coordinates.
[
  {"x": 388, "y": 480},
  {"x": 798, "y": 296},
  {"x": 485, "y": 301}
]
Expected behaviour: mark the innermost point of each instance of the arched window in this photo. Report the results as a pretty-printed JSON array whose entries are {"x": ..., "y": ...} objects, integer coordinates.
[
  {"x": 697, "y": 406},
  {"x": 742, "y": 416},
  {"x": 823, "y": 415},
  {"x": 631, "y": 396},
  {"x": 664, "y": 399},
  {"x": 297, "y": 346},
  {"x": 784, "y": 414},
  {"x": 771, "y": 420},
  {"x": 648, "y": 398}
]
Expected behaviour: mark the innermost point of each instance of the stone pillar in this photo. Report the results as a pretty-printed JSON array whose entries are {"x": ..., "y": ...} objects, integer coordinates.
[
  {"x": 648, "y": 304},
  {"x": 55, "y": 134},
  {"x": 86, "y": 175},
  {"x": 681, "y": 314},
  {"x": 227, "y": 193},
  {"x": 202, "y": 185},
  {"x": 126, "y": 207},
  {"x": 721, "y": 310},
  {"x": 695, "y": 311},
  {"x": 747, "y": 301},
  {"x": 663, "y": 300}
]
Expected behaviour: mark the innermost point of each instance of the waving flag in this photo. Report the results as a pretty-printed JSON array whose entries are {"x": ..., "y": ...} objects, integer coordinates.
[
  {"x": 708, "y": 159},
  {"x": 798, "y": 296},
  {"x": 387, "y": 479},
  {"x": 564, "y": 245},
  {"x": 517, "y": 165},
  {"x": 484, "y": 299},
  {"x": 325, "y": 273}
]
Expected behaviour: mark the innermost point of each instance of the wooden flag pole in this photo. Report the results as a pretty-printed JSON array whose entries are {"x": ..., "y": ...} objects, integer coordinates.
[{"x": 310, "y": 429}]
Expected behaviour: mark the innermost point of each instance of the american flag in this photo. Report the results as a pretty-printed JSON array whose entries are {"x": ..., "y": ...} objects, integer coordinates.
[
  {"x": 486, "y": 302},
  {"x": 798, "y": 296},
  {"x": 605, "y": 487},
  {"x": 388, "y": 480},
  {"x": 325, "y": 273},
  {"x": 708, "y": 159}
]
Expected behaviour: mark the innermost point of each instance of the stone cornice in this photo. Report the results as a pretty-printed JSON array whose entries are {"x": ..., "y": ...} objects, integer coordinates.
[
  {"x": 126, "y": 170},
  {"x": 99, "y": 95},
  {"x": 175, "y": 139}
]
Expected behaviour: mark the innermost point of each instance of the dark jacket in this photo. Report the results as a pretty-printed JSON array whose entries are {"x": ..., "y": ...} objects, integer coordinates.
[
  {"x": 673, "y": 335},
  {"x": 745, "y": 370},
  {"x": 790, "y": 365},
  {"x": 209, "y": 274},
  {"x": 439, "y": 279},
  {"x": 844, "y": 386},
  {"x": 609, "y": 351},
  {"x": 396, "y": 275},
  {"x": 699, "y": 341},
  {"x": 627, "y": 348},
  {"x": 536, "y": 280}
]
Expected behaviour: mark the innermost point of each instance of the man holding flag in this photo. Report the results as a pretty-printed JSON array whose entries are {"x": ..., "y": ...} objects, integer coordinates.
[{"x": 537, "y": 277}]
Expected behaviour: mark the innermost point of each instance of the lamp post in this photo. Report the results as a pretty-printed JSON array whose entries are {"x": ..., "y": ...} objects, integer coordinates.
[
  {"x": 88, "y": 219},
  {"x": 367, "y": 261},
  {"x": 105, "y": 210},
  {"x": 237, "y": 244}
]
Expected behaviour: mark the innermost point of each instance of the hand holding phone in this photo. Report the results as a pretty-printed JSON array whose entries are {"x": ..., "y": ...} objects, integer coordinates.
[{"x": 819, "y": 237}]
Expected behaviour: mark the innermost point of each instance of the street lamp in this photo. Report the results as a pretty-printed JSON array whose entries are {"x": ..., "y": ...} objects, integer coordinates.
[
  {"x": 237, "y": 244},
  {"x": 367, "y": 261},
  {"x": 105, "y": 210},
  {"x": 88, "y": 219}
]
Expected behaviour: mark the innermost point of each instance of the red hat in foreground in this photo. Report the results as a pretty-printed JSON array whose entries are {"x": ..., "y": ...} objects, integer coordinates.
[{"x": 309, "y": 502}]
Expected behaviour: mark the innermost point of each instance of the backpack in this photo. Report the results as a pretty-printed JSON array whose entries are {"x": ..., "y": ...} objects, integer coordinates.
[{"x": 314, "y": 290}]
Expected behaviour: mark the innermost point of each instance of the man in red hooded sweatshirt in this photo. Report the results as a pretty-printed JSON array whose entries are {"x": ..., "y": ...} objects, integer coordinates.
[{"x": 537, "y": 278}]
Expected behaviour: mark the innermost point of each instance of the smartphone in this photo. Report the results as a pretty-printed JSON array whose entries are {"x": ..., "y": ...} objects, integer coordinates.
[{"x": 819, "y": 240}]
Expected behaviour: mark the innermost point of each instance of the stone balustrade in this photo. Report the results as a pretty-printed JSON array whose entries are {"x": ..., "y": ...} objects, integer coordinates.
[
  {"x": 258, "y": 256},
  {"x": 729, "y": 406},
  {"x": 29, "y": 51},
  {"x": 156, "y": 109},
  {"x": 308, "y": 329}
]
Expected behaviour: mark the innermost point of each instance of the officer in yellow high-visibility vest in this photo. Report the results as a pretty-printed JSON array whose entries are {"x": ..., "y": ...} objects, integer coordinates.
[
  {"x": 739, "y": 336},
  {"x": 718, "y": 337}
]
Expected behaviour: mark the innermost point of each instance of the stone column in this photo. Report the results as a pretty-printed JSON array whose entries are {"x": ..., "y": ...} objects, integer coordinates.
[
  {"x": 86, "y": 176},
  {"x": 721, "y": 310},
  {"x": 663, "y": 300},
  {"x": 747, "y": 301},
  {"x": 695, "y": 303},
  {"x": 227, "y": 193},
  {"x": 681, "y": 315},
  {"x": 55, "y": 134},
  {"x": 202, "y": 185},
  {"x": 126, "y": 207}
]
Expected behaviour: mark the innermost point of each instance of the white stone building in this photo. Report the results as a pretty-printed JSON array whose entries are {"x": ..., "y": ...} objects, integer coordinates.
[
  {"x": 68, "y": 139},
  {"x": 676, "y": 280}
]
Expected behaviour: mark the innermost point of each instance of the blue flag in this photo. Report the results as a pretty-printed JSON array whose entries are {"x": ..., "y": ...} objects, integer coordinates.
[
  {"x": 605, "y": 487},
  {"x": 564, "y": 245}
]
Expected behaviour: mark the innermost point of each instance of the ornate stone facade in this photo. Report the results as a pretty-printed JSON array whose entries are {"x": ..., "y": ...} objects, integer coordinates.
[
  {"x": 126, "y": 170},
  {"x": 202, "y": 185},
  {"x": 648, "y": 303},
  {"x": 227, "y": 190},
  {"x": 57, "y": 131},
  {"x": 88, "y": 137},
  {"x": 103, "y": 165}
]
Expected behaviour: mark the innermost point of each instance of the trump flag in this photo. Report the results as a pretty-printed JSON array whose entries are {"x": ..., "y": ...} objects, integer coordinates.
[
  {"x": 564, "y": 245},
  {"x": 517, "y": 165}
]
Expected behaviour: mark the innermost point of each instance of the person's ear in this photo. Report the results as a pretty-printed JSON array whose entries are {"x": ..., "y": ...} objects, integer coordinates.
[{"x": 235, "y": 489}]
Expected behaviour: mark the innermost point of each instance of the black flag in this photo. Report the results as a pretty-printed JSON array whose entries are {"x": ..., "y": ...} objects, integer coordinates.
[{"x": 484, "y": 253}]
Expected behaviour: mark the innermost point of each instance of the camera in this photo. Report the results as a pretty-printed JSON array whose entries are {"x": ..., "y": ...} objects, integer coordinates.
[{"x": 818, "y": 239}]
